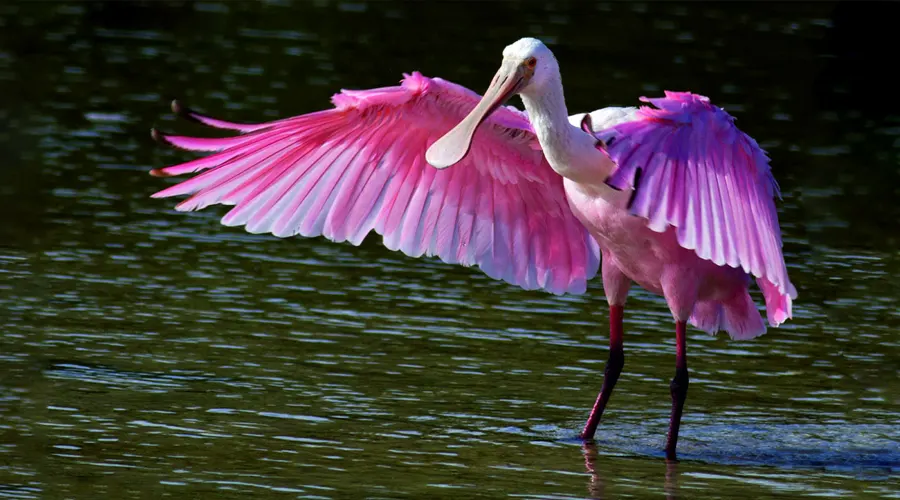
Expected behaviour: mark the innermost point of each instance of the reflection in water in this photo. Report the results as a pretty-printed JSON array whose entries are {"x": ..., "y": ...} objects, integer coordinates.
[
  {"x": 596, "y": 484},
  {"x": 145, "y": 353},
  {"x": 671, "y": 486}
]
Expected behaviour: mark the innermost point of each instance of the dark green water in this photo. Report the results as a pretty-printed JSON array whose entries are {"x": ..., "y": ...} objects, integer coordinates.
[{"x": 146, "y": 353}]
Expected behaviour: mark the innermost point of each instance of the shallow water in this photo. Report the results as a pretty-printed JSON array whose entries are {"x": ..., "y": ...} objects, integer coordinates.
[{"x": 149, "y": 353}]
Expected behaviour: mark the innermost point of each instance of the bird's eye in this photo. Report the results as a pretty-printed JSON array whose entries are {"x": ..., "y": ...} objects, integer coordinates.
[{"x": 531, "y": 62}]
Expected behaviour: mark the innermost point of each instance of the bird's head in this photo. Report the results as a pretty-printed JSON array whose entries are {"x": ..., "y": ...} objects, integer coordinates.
[
  {"x": 531, "y": 62},
  {"x": 528, "y": 65}
]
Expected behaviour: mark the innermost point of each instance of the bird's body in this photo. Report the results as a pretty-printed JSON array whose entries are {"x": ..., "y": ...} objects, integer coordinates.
[
  {"x": 675, "y": 199},
  {"x": 654, "y": 260}
]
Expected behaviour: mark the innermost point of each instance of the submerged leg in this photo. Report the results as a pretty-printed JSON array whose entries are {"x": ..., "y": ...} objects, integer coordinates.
[
  {"x": 615, "y": 285},
  {"x": 611, "y": 373},
  {"x": 678, "y": 387}
]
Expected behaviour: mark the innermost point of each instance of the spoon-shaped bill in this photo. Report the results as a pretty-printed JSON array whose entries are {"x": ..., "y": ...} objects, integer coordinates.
[{"x": 453, "y": 146}]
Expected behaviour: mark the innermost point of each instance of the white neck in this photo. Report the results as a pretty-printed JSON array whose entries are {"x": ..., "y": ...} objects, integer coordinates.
[{"x": 570, "y": 151}]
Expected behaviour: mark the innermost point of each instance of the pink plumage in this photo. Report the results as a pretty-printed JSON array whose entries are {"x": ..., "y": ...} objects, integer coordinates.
[
  {"x": 673, "y": 197},
  {"x": 360, "y": 167},
  {"x": 701, "y": 175}
]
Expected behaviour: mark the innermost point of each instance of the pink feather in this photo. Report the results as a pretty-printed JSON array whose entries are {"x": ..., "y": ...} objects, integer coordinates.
[
  {"x": 359, "y": 167},
  {"x": 723, "y": 208}
]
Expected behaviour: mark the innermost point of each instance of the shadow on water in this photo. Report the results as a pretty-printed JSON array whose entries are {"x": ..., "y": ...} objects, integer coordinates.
[
  {"x": 868, "y": 451},
  {"x": 755, "y": 468}
]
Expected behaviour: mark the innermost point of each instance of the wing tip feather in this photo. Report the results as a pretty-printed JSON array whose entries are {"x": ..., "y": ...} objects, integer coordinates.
[
  {"x": 159, "y": 137},
  {"x": 177, "y": 107},
  {"x": 183, "y": 111}
]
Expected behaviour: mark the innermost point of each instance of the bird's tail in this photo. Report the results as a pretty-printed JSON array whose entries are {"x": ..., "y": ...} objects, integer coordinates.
[
  {"x": 738, "y": 316},
  {"x": 778, "y": 305}
]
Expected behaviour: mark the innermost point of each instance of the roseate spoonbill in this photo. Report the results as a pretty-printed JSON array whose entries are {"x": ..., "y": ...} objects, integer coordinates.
[{"x": 674, "y": 198}]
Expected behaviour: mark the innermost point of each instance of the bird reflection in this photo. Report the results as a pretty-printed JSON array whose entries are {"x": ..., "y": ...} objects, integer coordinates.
[
  {"x": 597, "y": 487},
  {"x": 671, "y": 485}
]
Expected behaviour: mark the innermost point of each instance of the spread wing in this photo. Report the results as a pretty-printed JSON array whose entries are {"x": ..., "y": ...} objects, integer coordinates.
[
  {"x": 691, "y": 168},
  {"x": 360, "y": 167}
]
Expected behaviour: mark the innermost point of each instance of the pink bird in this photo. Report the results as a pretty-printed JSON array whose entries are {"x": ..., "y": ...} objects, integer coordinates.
[{"x": 674, "y": 198}]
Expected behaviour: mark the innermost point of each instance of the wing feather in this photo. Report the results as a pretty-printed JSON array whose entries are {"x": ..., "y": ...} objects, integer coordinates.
[
  {"x": 360, "y": 167},
  {"x": 715, "y": 187}
]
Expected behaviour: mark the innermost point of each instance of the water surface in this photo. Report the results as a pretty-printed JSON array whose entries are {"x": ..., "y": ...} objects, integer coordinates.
[{"x": 149, "y": 353}]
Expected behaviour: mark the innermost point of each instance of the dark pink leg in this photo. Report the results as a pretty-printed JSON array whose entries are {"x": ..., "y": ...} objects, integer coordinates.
[
  {"x": 678, "y": 387},
  {"x": 611, "y": 374}
]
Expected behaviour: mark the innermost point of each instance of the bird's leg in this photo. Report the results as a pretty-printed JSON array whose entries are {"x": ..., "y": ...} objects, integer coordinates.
[
  {"x": 680, "y": 288},
  {"x": 678, "y": 387},
  {"x": 615, "y": 286},
  {"x": 611, "y": 373}
]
